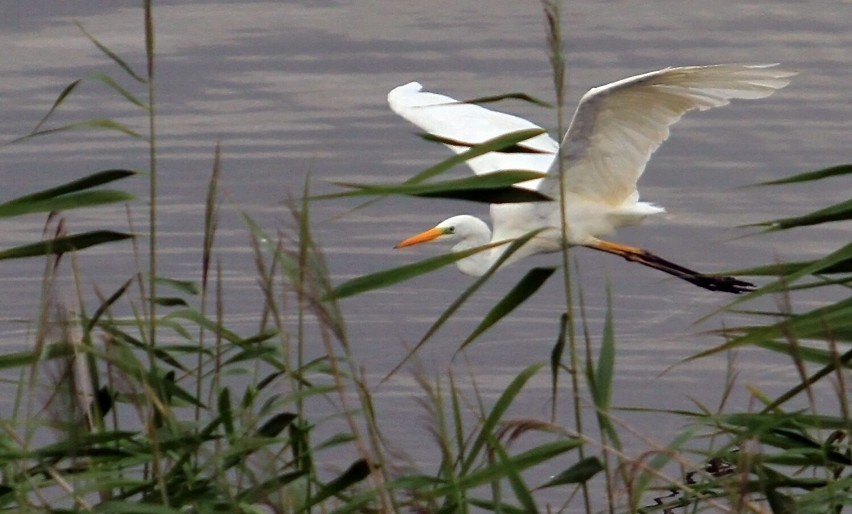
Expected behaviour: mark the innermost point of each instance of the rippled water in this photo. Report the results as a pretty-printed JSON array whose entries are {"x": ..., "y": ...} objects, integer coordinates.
[{"x": 292, "y": 88}]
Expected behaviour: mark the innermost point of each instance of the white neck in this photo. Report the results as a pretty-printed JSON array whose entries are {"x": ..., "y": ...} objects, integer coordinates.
[{"x": 477, "y": 264}]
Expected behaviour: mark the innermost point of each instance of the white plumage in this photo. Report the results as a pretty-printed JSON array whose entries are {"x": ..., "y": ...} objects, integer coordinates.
[{"x": 612, "y": 135}]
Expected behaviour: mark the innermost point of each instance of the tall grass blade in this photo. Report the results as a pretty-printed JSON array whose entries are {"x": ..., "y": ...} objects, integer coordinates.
[
  {"x": 96, "y": 179},
  {"x": 518, "y": 148},
  {"x": 184, "y": 286},
  {"x": 806, "y": 353},
  {"x": 652, "y": 468},
  {"x": 107, "y": 304},
  {"x": 94, "y": 123},
  {"x": 268, "y": 243},
  {"x": 27, "y": 358},
  {"x": 556, "y": 360},
  {"x": 837, "y": 258},
  {"x": 522, "y": 492},
  {"x": 833, "y": 171},
  {"x": 516, "y": 463},
  {"x": 389, "y": 277},
  {"x": 201, "y": 321},
  {"x": 56, "y": 103},
  {"x": 115, "y": 86},
  {"x": 509, "y": 96},
  {"x": 492, "y": 145},
  {"x": 843, "y": 360},
  {"x": 64, "y": 244},
  {"x": 496, "y": 414},
  {"x": 276, "y": 424},
  {"x": 357, "y": 471},
  {"x": 601, "y": 379},
  {"x": 582, "y": 471},
  {"x": 492, "y": 188},
  {"x": 523, "y": 290},
  {"x": 838, "y": 212},
  {"x": 812, "y": 324},
  {"x": 789, "y": 268},
  {"x": 458, "y": 302},
  {"x": 81, "y": 200},
  {"x": 133, "y": 507},
  {"x": 112, "y": 55}
]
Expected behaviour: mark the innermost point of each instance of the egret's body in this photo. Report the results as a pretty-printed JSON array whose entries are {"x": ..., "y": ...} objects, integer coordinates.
[{"x": 612, "y": 135}]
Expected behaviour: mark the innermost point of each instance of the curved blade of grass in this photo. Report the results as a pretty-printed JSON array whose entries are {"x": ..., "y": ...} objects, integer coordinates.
[
  {"x": 496, "y": 471},
  {"x": 288, "y": 264},
  {"x": 133, "y": 507},
  {"x": 115, "y": 86},
  {"x": 788, "y": 268},
  {"x": 273, "y": 426},
  {"x": 522, "y": 492},
  {"x": 508, "y": 96},
  {"x": 524, "y": 289},
  {"x": 109, "y": 53},
  {"x": 88, "y": 182},
  {"x": 811, "y": 324},
  {"x": 81, "y": 200},
  {"x": 518, "y": 148},
  {"x": 453, "y": 307},
  {"x": 657, "y": 462},
  {"x": 493, "y": 505},
  {"x": 500, "y": 407},
  {"x": 490, "y": 188},
  {"x": 184, "y": 286},
  {"x": 843, "y": 360},
  {"x": 29, "y": 357},
  {"x": 556, "y": 359},
  {"x": 515, "y": 464},
  {"x": 106, "y": 304},
  {"x": 838, "y": 212},
  {"x": 262, "y": 491},
  {"x": 807, "y": 354},
  {"x": 580, "y": 472},
  {"x": 833, "y": 171},
  {"x": 94, "y": 123},
  {"x": 601, "y": 377},
  {"x": 56, "y": 103},
  {"x": 196, "y": 317},
  {"x": 358, "y": 471},
  {"x": 491, "y": 145},
  {"x": 64, "y": 244},
  {"x": 392, "y": 276},
  {"x": 835, "y": 258}
]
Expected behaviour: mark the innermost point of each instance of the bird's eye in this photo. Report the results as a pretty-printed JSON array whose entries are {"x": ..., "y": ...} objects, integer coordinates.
[{"x": 451, "y": 230}]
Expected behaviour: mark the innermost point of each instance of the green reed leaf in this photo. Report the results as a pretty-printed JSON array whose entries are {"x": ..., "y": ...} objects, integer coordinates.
[
  {"x": 833, "y": 171},
  {"x": 523, "y": 290},
  {"x": 491, "y": 188},
  {"x": 64, "y": 244}
]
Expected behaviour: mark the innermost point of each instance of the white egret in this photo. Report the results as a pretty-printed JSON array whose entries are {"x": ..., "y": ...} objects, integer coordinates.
[{"x": 612, "y": 135}]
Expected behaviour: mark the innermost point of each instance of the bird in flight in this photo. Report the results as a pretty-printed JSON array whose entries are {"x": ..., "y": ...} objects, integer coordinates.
[{"x": 612, "y": 135}]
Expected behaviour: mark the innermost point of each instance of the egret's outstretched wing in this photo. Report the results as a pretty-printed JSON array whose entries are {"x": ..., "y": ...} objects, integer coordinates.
[
  {"x": 618, "y": 126},
  {"x": 469, "y": 125}
]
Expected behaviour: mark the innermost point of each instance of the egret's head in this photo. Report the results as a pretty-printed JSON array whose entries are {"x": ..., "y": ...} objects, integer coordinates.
[{"x": 449, "y": 230}]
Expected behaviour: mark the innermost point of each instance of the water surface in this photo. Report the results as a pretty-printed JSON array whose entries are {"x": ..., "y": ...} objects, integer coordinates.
[{"x": 298, "y": 88}]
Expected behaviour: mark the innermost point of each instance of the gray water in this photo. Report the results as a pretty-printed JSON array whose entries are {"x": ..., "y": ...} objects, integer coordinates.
[{"x": 298, "y": 88}]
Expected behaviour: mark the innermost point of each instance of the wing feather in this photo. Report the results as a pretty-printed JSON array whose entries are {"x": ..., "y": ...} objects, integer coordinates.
[
  {"x": 617, "y": 127},
  {"x": 472, "y": 124}
]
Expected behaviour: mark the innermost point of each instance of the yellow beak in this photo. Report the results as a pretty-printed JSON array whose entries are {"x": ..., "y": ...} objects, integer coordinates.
[{"x": 423, "y": 237}]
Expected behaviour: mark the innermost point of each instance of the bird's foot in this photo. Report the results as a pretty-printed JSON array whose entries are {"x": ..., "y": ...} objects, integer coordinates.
[{"x": 724, "y": 284}]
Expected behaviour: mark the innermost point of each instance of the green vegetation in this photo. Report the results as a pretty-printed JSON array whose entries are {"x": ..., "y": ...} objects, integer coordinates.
[{"x": 168, "y": 410}]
